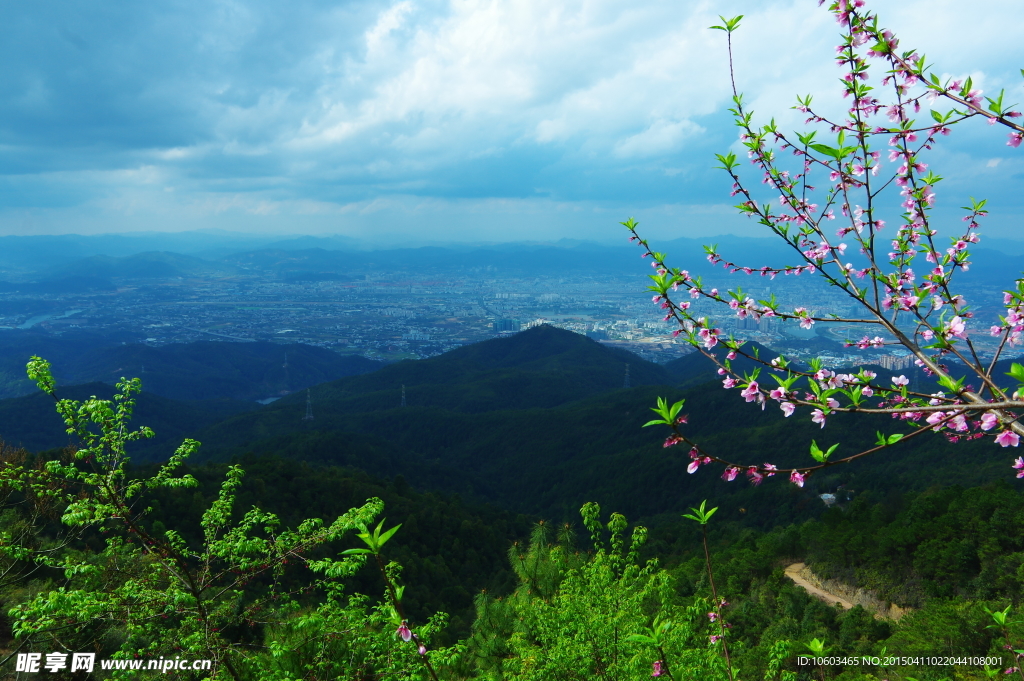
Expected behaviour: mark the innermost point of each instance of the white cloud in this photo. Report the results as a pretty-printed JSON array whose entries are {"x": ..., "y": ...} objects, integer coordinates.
[
  {"x": 280, "y": 112},
  {"x": 660, "y": 138}
]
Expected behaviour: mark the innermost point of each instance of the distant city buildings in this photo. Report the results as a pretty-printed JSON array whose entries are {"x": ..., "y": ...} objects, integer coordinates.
[
  {"x": 894, "y": 362},
  {"x": 387, "y": 314}
]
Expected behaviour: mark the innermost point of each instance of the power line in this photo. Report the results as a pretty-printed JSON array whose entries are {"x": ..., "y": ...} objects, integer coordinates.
[{"x": 309, "y": 407}]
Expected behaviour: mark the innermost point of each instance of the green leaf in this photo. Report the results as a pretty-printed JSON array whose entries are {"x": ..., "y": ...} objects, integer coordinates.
[
  {"x": 822, "y": 456},
  {"x": 825, "y": 149},
  {"x": 1016, "y": 372},
  {"x": 728, "y": 25},
  {"x": 387, "y": 535},
  {"x": 816, "y": 646},
  {"x": 640, "y": 638},
  {"x": 699, "y": 514}
]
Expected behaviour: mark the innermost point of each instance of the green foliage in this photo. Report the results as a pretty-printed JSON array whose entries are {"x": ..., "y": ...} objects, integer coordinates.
[
  {"x": 577, "y": 616},
  {"x": 700, "y": 515},
  {"x": 147, "y": 592}
]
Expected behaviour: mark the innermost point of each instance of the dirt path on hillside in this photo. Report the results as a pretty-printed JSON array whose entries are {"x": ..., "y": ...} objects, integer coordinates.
[{"x": 793, "y": 572}]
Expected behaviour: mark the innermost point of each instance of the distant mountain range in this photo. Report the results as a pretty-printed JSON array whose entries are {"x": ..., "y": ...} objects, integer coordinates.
[
  {"x": 202, "y": 370},
  {"x": 147, "y": 265},
  {"x": 50, "y": 260}
]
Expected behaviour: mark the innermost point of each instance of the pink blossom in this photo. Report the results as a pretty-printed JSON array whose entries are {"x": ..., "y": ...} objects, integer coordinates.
[
  {"x": 955, "y": 328},
  {"x": 1008, "y": 438},
  {"x": 729, "y": 383},
  {"x": 818, "y": 416},
  {"x": 404, "y": 631},
  {"x": 900, "y": 380},
  {"x": 710, "y": 337},
  {"x": 1019, "y": 465},
  {"x": 713, "y": 616},
  {"x": 658, "y": 671},
  {"x": 989, "y": 421},
  {"x": 787, "y": 408},
  {"x": 797, "y": 478},
  {"x": 751, "y": 393},
  {"x": 1015, "y": 139},
  {"x": 730, "y": 473}
]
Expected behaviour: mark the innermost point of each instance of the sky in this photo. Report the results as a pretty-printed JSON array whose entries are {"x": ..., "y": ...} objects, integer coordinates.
[{"x": 432, "y": 120}]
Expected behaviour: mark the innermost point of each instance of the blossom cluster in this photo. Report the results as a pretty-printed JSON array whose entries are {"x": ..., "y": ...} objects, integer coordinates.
[{"x": 888, "y": 290}]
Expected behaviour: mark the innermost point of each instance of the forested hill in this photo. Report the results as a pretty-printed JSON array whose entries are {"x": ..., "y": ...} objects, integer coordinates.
[
  {"x": 202, "y": 370},
  {"x": 207, "y": 370},
  {"x": 32, "y": 422},
  {"x": 542, "y": 367},
  {"x": 539, "y": 423},
  {"x": 497, "y": 435},
  {"x": 539, "y": 368}
]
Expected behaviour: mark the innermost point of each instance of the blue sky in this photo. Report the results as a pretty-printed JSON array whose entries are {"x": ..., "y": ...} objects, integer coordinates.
[{"x": 434, "y": 120}]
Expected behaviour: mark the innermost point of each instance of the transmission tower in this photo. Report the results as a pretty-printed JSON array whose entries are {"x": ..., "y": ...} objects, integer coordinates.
[
  {"x": 403, "y": 395},
  {"x": 625, "y": 382},
  {"x": 309, "y": 407}
]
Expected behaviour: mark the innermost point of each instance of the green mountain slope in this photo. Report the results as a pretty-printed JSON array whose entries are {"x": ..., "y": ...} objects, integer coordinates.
[
  {"x": 480, "y": 424},
  {"x": 212, "y": 370},
  {"x": 549, "y": 461},
  {"x": 536, "y": 423},
  {"x": 32, "y": 422},
  {"x": 540, "y": 368}
]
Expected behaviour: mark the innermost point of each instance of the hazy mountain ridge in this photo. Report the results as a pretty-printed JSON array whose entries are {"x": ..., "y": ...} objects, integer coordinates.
[
  {"x": 146, "y": 265},
  {"x": 32, "y": 422},
  {"x": 216, "y": 370},
  {"x": 191, "y": 371},
  {"x": 179, "y": 254}
]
